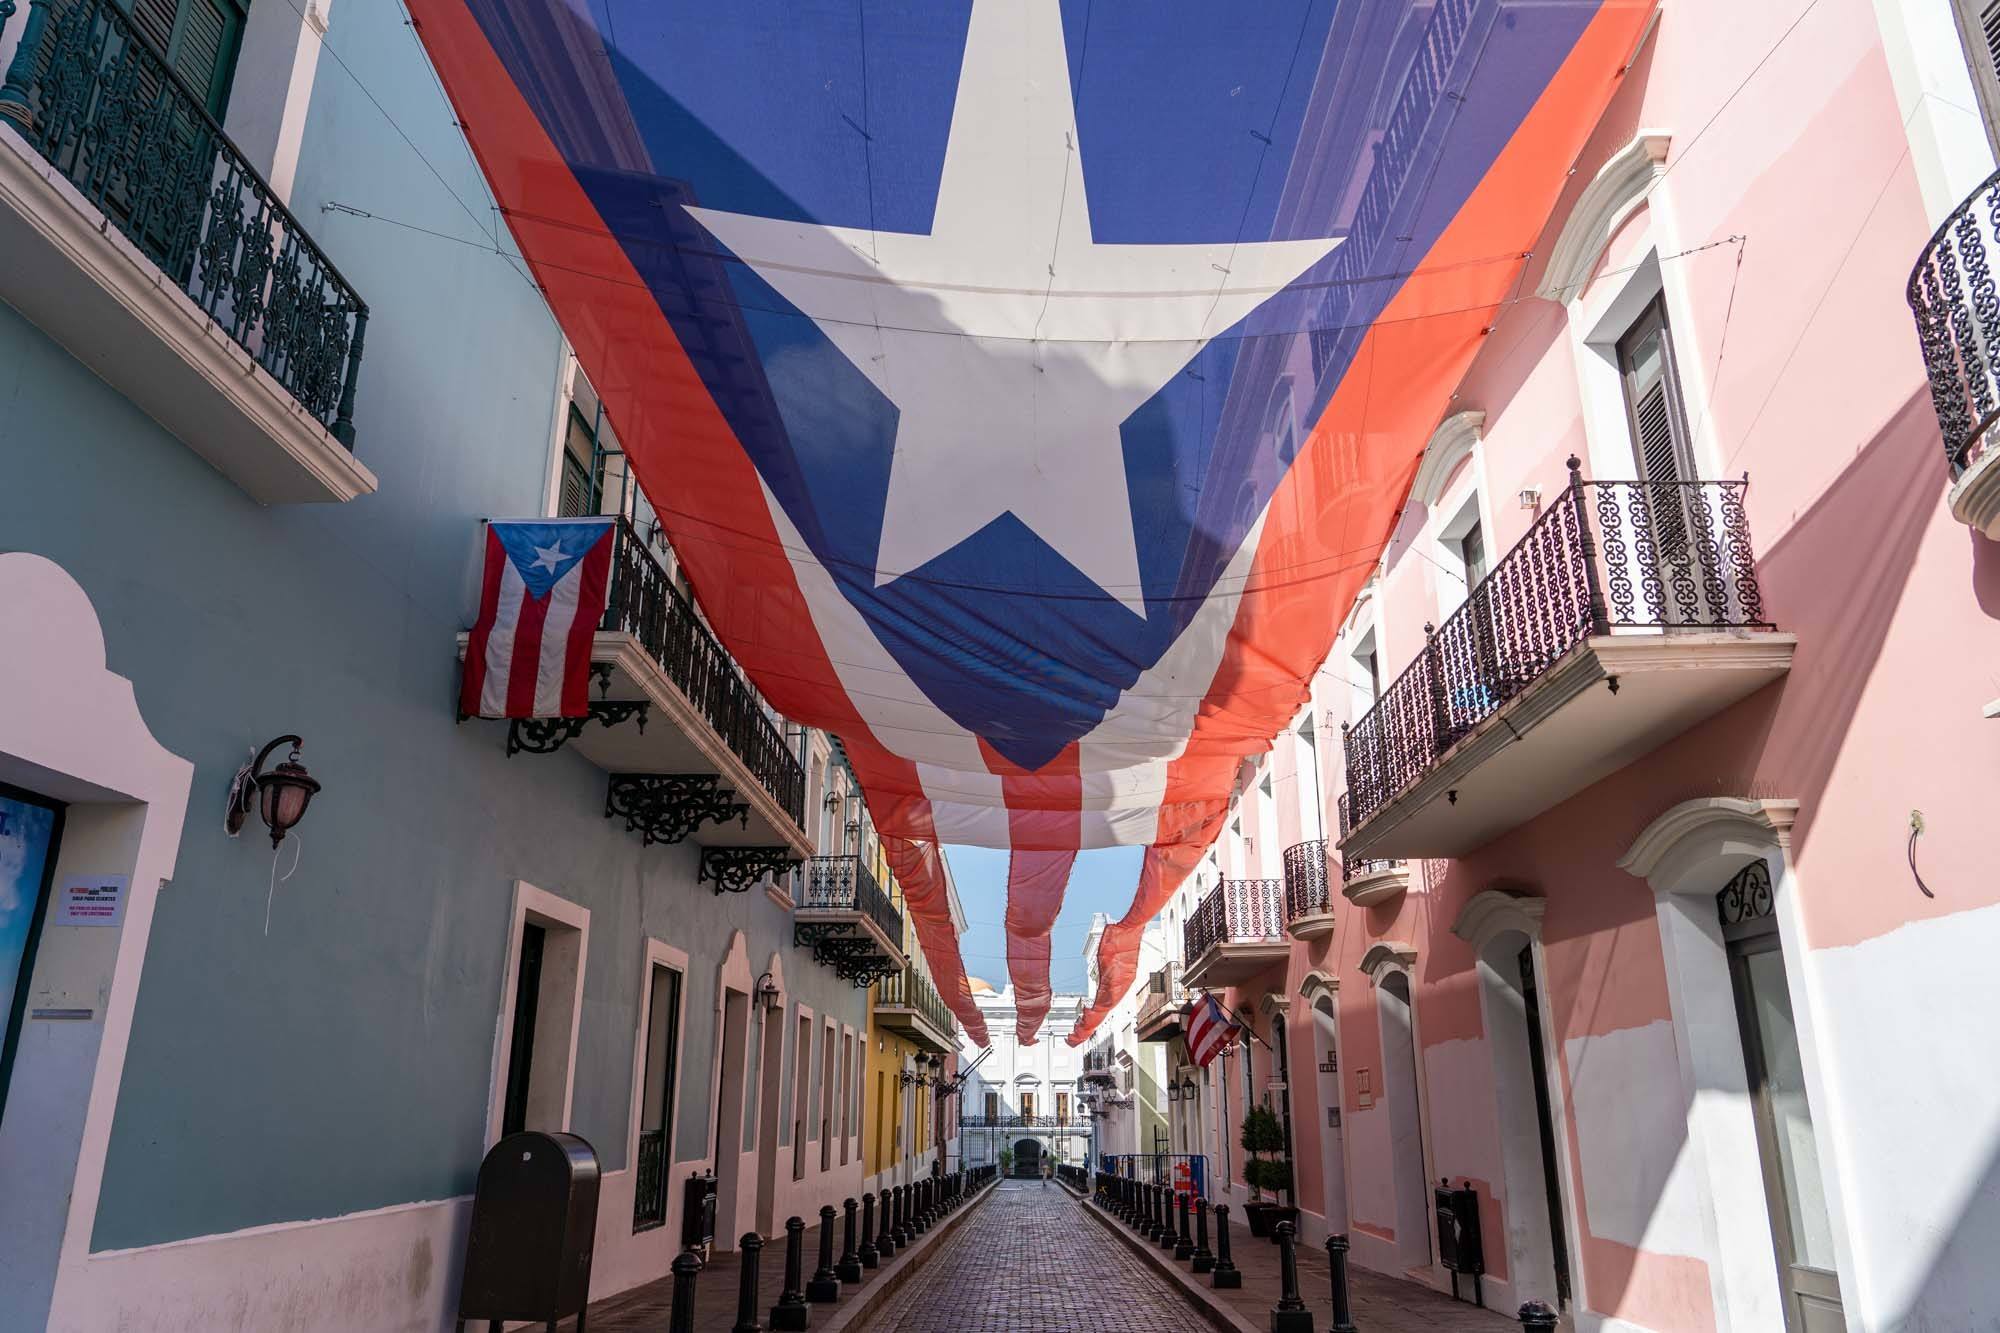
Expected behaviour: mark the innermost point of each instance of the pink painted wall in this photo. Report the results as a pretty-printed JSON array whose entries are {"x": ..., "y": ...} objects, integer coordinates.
[{"x": 1799, "y": 366}]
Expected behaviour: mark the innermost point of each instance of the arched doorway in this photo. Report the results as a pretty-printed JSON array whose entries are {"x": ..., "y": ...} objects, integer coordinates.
[
  {"x": 1504, "y": 930},
  {"x": 1397, "y": 1017},
  {"x": 1027, "y": 1159},
  {"x": 1320, "y": 991}
]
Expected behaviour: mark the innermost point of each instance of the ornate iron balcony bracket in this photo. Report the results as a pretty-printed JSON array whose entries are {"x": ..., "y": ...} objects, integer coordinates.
[
  {"x": 667, "y": 807},
  {"x": 546, "y": 735},
  {"x": 737, "y": 869}
]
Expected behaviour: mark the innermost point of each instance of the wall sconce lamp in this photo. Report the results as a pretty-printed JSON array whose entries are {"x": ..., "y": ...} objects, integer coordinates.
[
  {"x": 768, "y": 997},
  {"x": 1173, "y": 1092},
  {"x": 1189, "y": 1090},
  {"x": 281, "y": 795}
]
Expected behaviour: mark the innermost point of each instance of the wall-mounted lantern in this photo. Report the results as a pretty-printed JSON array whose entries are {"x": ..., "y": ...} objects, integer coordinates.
[
  {"x": 281, "y": 795},
  {"x": 768, "y": 995}
]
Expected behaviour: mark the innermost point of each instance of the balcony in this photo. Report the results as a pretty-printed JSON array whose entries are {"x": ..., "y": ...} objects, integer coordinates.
[
  {"x": 1161, "y": 1012},
  {"x": 1958, "y": 329},
  {"x": 1037, "y": 1124},
  {"x": 1645, "y": 587},
  {"x": 907, "y": 1003},
  {"x": 1236, "y": 933},
  {"x": 141, "y": 239},
  {"x": 1308, "y": 909},
  {"x": 848, "y": 922},
  {"x": 1099, "y": 1065},
  {"x": 1365, "y": 882},
  {"x": 690, "y": 750}
]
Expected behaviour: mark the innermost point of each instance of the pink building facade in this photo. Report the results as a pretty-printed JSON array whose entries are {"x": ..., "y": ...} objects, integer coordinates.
[{"x": 1626, "y": 868}]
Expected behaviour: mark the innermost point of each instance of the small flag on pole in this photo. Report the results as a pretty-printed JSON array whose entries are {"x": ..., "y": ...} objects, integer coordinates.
[
  {"x": 1209, "y": 1029},
  {"x": 541, "y": 600}
]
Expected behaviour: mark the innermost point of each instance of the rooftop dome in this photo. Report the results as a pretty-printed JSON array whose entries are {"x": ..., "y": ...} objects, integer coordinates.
[{"x": 979, "y": 986}]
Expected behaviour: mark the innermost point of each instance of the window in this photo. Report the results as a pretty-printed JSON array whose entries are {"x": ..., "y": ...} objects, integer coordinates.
[
  {"x": 1472, "y": 555},
  {"x": 1653, "y": 399},
  {"x": 826, "y": 1101},
  {"x": 1027, "y": 1105},
  {"x": 1979, "y": 30},
  {"x": 663, "y": 1022},
  {"x": 538, "y": 1017},
  {"x": 30, "y": 832},
  {"x": 801, "y": 1080},
  {"x": 1062, "y": 1108},
  {"x": 582, "y": 468},
  {"x": 992, "y": 1106},
  {"x": 199, "y": 38},
  {"x": 846, "y": 1068}
]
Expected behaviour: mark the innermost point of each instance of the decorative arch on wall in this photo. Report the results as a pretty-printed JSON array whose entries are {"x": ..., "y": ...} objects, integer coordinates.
[
  {"x": 1387, "y": 954},
  {"x": 1683, "y": 849},
  {"x": 1451, "y": 444},
  {"x": 1613, "y": 195},
  {"x": 1493, "y": 912},
  {"x": 1316, "y": 986}
]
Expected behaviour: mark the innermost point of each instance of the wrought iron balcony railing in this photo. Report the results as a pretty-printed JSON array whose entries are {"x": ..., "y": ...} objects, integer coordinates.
[
  {"x": 106, "y": 110},
  {"x": 1353, "y": 866},
  {"x": 1607, "y": 555},
  {"x": 1953, "y": 296},
  {"x": 1075, "y": 1124},
  {"x": 845, "y": 884},
  {"x": 911, "y": 989},
  {"x": 1236, "y": 911},
  {"x": 1305, "y": 880},
  {"x": 645, "y": 604}
]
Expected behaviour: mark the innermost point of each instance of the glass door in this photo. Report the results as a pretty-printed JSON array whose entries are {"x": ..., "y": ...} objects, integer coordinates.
[{"x": 1786, "y": 1146}]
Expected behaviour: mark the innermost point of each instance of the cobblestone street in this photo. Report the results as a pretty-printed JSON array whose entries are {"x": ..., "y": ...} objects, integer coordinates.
[{"x": 1030, "y": 1260}]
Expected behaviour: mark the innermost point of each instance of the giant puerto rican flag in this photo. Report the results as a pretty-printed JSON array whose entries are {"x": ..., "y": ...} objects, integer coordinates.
[{"x": 1028, "y": 386}]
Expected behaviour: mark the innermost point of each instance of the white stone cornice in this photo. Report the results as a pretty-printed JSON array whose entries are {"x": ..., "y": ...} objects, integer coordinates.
[
  {"x": 1450, "y": 443},
  {"x": 1678, "y": 852},
  {"x": 1493, "y": 912},
  {"x": 1316, "y": 986},
  {"x": 1384, "y": 955},
  {"x": 1612, "y": 196}
]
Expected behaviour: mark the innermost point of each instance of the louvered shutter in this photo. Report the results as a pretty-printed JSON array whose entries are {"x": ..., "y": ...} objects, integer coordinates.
[
  {"x": 1979, "y": 31},
  {"x": 198, "y": 38},
  {"x": 1662, "y": 451}
]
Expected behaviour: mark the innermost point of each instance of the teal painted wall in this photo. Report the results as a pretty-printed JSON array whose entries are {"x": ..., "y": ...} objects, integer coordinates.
[{"x": 343, "y": 1060}]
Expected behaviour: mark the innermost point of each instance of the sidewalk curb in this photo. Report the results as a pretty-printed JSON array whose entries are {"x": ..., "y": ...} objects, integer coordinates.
[
  {"x": 897, "y": 1271},
  {"x": 1197, "y": 1295}
]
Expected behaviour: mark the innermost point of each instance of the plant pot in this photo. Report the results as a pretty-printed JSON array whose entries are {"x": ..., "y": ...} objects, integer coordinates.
[
  {"x": 1276, "y": 1213},
  {"x": 1261, "y": 1217}
]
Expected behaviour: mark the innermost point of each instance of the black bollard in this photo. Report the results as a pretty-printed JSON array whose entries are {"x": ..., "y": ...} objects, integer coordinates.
[
  {"x": 1224, "y": 1275},
  {"x": 686, "y": 1266},
  {"x": 1183, "y": 1247},
  {"x": 746, "y": 1285},
  {"x": 1537, "y": 1317},
  {"x": 1336, "y": 1260},
  {"x": 1290, "y": 1314},
  {"x": 1159, "y": 1225},
  {"x": 791, "y": 1314},
  {"x": 825, "y": 1284},
  {"x": 850, "y": 1258},
  {"x": 885, "y": 1242},
  {"x": 1169, "y": 1196},
  {"x": 902, "y": 1229},
  {"x": 869, "y": 1255},
  {"x": 1202, "y": 1260},
  {"x": 920, "y": 1209}
]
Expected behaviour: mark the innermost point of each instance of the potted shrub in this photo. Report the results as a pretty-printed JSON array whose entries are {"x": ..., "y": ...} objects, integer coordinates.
[
  {"x": 1263, "y": 1134},
  {"x": 1006, "y": 1162}
]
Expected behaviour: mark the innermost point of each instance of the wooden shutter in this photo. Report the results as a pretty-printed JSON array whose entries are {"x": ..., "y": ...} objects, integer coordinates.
[
  {"x": 199, "y": 39},
  {"x": 1979, "y": 31},
  {"x": 1661, "y": 448}
]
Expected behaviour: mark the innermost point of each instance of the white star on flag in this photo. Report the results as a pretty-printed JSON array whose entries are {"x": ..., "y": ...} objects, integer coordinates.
[
  {"x": 549, "y": 557},
  {"x": 1012, "y": 344}
]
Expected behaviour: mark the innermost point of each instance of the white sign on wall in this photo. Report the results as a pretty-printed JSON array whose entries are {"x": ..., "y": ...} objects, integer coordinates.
[{"x": 91, "y": 900}]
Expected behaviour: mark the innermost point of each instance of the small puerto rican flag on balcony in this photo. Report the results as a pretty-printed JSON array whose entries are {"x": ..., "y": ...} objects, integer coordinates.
[
  {"x": 1209, "y": 1029},
  {"x": 541, "y": 600}
]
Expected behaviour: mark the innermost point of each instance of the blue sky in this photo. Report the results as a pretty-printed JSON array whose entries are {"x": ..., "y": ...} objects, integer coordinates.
[{"x": 1102, "y": 882}]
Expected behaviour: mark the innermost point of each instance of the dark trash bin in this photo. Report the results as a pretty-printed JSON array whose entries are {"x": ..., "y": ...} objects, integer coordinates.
[
  {"x": 1459, "y": 1248},
  {"x": 534, "y": 1220}
]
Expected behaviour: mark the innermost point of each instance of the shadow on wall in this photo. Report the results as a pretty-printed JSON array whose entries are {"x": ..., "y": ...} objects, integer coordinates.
[{"x": 1839, "y": 595}]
